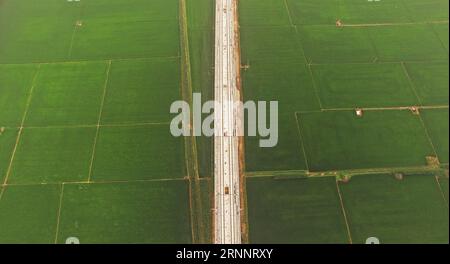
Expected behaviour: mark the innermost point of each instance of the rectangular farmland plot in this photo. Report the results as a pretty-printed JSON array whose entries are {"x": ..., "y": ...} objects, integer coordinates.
[
  {"x": 200, "y": 14},
  {"x": 426, "y": 11},
  {"x": 67, "y": 94},
  {"x": 134, "y": 10},
  {"x": 138, "y": 153},
  {"x": 408, "y": 211},
  {"x": 436, "y": 122},
  {"x": 286, "y": 155},
  {"x": 407, "y": 43},
  {"x": 272, "y": 44},
  {"x": 109, "y": 38},
  {"x": 15, "y": 86},
  {"x": 363, "y": 85},
  {"x": 53, "y": 155},
  {"x": 263, "y": 13},
  {"x": 329, "y": 44},
  {"x": 313, "y": 12},
  {"x": 431, "y": 82},
  {"x": 29, "y": 214},
  {"x": 141, "y": 91},
  {"x": 36, "y": 31},
  {"x": 339, "y": 140},
  {"x": 374, "y": 12},
  {"x": 305, "y": 211},
  {"x": 288, "y": 83},
  {"x": 145, "y": 212}
]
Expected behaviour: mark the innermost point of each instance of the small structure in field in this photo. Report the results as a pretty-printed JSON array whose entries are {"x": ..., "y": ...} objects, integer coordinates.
[
  {"x": 433, "y": 161},
  {"x": 399, "y": 176},
  {"x": 359, "y": 112},
  {"x": 344, "y": 179},
  {"x": 79, "y": 23},
  {"x": 339, "y": 23},
  {"x": 2, "y": 129},
  {"x": 415, "y": 110}
]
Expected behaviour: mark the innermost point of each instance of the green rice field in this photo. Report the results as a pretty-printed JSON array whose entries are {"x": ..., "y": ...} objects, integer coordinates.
[
  {"x": 331, "y": 178},
  {"x": 85, "y": 146},
  {"x": 320, "y": 210}
]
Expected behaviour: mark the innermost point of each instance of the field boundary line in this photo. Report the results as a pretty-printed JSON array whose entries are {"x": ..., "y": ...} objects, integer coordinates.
[
  {"x": 93, "y": 60},
  {"x": 105, "y": 87},
  {"x": 306, "y": 58},
  {"x": 129, "y": 181},
  {"x": 427, "y": 133},
  {"x": 412, "y": 169},
  {"x": 75, "y": 29},
  {"x": 441, "y": 191},
  {"x": 355, "y": 25},
  {"x": 71, "y": 41},
  {"x": 288, "y": 13},
  {"x": 349, "y": 234},
  {"x": 377, "y": 62},
  {"x": 95, "y": 125},
  {"x": 19, "y": 133},
  {"x": 388, "y": 108},
  {"x": 372, "y": 109},
  {"x": 251, "y": 174},
  {"x": 301, "y": 140},
  {"x": 59, "y": 212},
  {"x": 334, "y": 173},
  {"x": 136, "y": 124},
  {"x": 411, "y": 83},
  {"x": 3, "y": 187},
  {"x": 191, "y": 158},
  {"x": 396, "y": 24},
  {"x": 96, "y": 182},
  {"x": 185, "y": 81},
  {"x": 314, "y": 84},
  {"x": 74, "y": 32}
]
